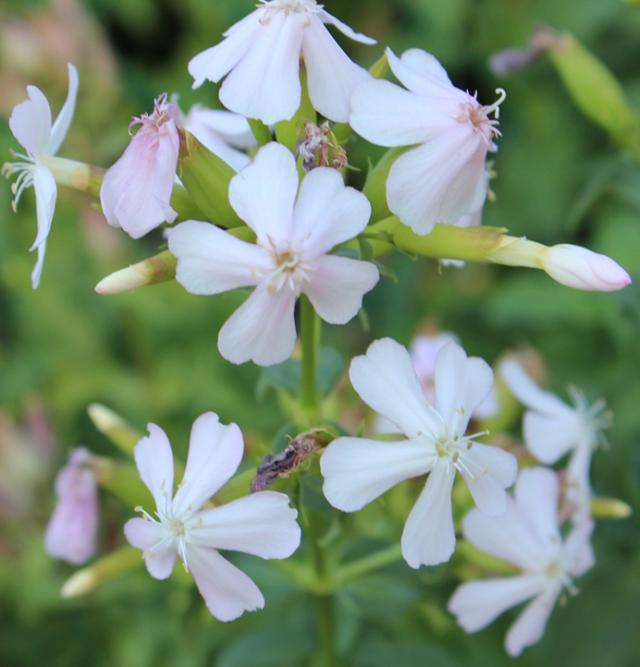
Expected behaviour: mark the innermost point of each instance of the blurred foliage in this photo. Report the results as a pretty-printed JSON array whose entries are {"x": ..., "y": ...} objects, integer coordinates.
[{"x": 151, "y": 355}]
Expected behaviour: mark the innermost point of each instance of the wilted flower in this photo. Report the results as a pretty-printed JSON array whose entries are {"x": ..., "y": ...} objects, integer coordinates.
[
  {"x": 261, "y": 524},
  {"x": 136, "y": 190},
  {"x": 260, "y": 56},
  {"x": 357, "y": 470},
  {"x": 72, "y": 530},
  {"x": 529, "y": 537},
  {"x": 295, "y": 233},
  {"x": 444, "y": 178},
  {"x": 31, "y": 125}
]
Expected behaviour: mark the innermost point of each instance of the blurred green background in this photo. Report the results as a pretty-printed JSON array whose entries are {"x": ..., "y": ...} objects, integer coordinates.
[{"x": 151, "y": 355}]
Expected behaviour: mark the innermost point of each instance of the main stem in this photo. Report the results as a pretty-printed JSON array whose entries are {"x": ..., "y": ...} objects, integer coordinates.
[{"x": 310, "y": 340}]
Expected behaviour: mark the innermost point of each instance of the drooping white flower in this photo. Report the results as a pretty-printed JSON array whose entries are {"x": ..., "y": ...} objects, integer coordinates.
[
  {"x": 357, "y": 470},
  {"x": 296, "y": 230},
  {"x": 260, "y": 58},
  {"x": 31, "y": 125},
  {"x": 261, "y": 524},
  {"x": 552, "y": 429},
  {"x": 527, "y": 536},
  {"x": 444, "y": 178},
  {"x": 223, "y": 133},
  {"x": 136, "y": 191},
  {"x": 72, "y": 530}
]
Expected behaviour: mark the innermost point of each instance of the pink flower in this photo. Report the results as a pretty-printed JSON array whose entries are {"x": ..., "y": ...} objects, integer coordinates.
[
  {"x": 296, "y": 231},
  {"x": 261, "y": 524},
  {"x": 136, "y": 191},
  {"x": 72, "y": 530}
]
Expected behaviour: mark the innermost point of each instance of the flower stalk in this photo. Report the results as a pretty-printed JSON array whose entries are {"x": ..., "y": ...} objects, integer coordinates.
[{"x": 310, "y": 341}]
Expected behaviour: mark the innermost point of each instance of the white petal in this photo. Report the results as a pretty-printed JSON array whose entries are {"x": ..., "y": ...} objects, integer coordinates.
[
  {"x": 159, "y": 555},
  {"x": 261, "y": 524},
  {"x": 215, "y": 452},
  {"x": 265, "y": 84},
  {"x": 357, "y": 470},
  {"x": 262, "y": 330},
  {"x": 428, "y": 537},
  {"x": 549, "y": 438},
  {"x": 461, "y": 384},
  {"x": 578, "y": 548},
  {"x": 332, "y": 76},
  {"x": 63, "y": 121},
  {"x": 216, "y": 62},
  {"x": 227, "y": 591},
  {"x": 487, "y": 472},
  {"x": 422, "y": 74},
  {"x": 344, "y": 28},
  {"x": 46, "y": 194},
  {"x": 537, "y": 494},
  {"x": 386, "y": 381},
  {"x": 337, "y": 286},
  {"x": 478, "y": 603},
  {"x": 155, "y": 464},
  {"x": 529, "y": 627},
  {"x": 30, "y": 122},
  {"x": 36, "y": 274},
  {"x": 211, "y": 261},
  {"x": 263, "y": 194},
  {"x": 327, "y": 213},
  {"x": 577, "y": 480}
]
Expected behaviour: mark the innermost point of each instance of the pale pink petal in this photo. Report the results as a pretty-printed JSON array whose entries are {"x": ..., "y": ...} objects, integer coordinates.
[
  {"x": 529, "y": 626},
  {"x": 263, "y": 194},
  {"x": 332, "y": 77},
  {"x": 215, "y": 452},
  {"x": 537, "y": 494},
  {"x": 46, "y": 195},
  {"x": 578, "y": 548},
  {"x": 357, "y": 470},
  {"x": 227, "y": 591},
  {"x": 211, "y": 261},
  {"x": 549, "y": 438},
  {"x": 154, "y": 460},
  {"x": 478, "y": 603},
  {"x": 385, "y": 379},
  {"x": 262, "y": 330},
  {"x": 337, "y": 286},
  {"x": 424, "y": 352},
  {"x": 325, "y": 17},
  {"x": 63, "y": 121},
  {"x": 30, "y": 122},
  {"x": 159, "y": 553},
  {"x": 261, "y": 524},
  {"x": 428, "y": 537},
  {"x": 422, "y": 74}
]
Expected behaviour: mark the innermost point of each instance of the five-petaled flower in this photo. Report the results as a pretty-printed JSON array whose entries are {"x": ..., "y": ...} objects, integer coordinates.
[
  {"x": 358, "y": 470},
  {"x": 260, "y": 57},
  {"x": 31, "y": 125},
  {"x": 527, "y": 536},
  {"x": 261, "y": 524},
  {"x": 296, "y": 230},
  {"x": 445, "y": 177}
]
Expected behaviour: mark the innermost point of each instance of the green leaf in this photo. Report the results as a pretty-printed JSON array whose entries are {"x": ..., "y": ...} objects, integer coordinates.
[{"x": 260, "y": 131}]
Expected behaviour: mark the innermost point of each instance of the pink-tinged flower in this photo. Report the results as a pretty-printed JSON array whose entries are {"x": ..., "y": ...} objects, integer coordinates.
[
  {"x": 444, "y": 178},
  {"x": 296, "y": 231},
  {"x": 528, "y": 537},
  {"x": 357, "y": 470},
  {"x": 72, "y": 530},
  {"x": 223, "y": 133},
  {"x": 552, "y": 429},
  {"x": 31, "y": 125},
  {"x": 261, "y": 524},
  {"x": 136, "y": 190},
  {"x": 584, "y": 269},
  {"x": 260, "y": 58}
]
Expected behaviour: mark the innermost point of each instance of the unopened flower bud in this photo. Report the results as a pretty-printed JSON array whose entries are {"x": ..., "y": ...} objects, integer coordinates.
[{"x": 156, "y": 269}]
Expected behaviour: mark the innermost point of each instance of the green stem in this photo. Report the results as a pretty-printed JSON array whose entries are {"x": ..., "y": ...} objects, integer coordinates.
[
  {"x": 367, "y": 564},
  {"x": 310, "y": 339}
]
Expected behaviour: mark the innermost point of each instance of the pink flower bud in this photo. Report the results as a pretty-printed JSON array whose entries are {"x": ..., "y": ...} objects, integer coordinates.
[
  {"x": 71, "y": 533},
  {"x": 583, "y": 269}
]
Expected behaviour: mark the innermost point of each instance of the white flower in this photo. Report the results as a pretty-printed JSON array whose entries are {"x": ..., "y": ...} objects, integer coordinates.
[
  {"x": 357, "y": 470},
  {"x": 444, "y": 178},
  {"x": 222, "y": 132},
  {"x": 31, "y": 125},
  {"x": 262, "y": 524},
  {"x": 260, "y": 56},
  {"x": 552, "y": 429},
  {"x": 295, "y": 233},
  {"x": 529, "y": 538}
]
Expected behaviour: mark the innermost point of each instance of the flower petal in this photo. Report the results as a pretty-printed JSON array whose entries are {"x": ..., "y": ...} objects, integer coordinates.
[
  {"x": 263, "y": 194},
  {"x": 262, "y": 330},
  {"x": 325, "y": 17},
  {"x": 478, "y": 603},
  {"x": 529, "y": 627},
  {"x": 30, "y": 122},
  {"x": 357, "y": 470},
  {"x": 428, "y": 537},
  {"x": 159, "y": 554},
  {"x": 550, "y": 437},
  {"x": 215, "y": 452},
  {"x": 46, "y": 195},
  {"x": 63, "y": 121},
  {"x": 211, "y": 261},
  {"x": 154, "y": 460},
  {"x": 578, "y": 548},
  {"x": 386, "y": 381},
  {"x": 578, "y": 486},
  {"x": 537, "y": 495},
  {"x": 422, "y": 74},
  {"x": 338, "y": 285},
  {"x": 227, "y": 591},
  {"x": 261, "y": 524}
]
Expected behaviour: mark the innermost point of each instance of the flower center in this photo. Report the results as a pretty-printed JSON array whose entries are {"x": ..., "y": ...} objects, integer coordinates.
[
  {"x": 594, "y": 418},
  {"x": 456, "y": 449},
  {"x": 556, "y": 573},
  {"x": 163, "y": 112},
  {"x": 290, "y": 272},
  {"x": 480, "y": 116},
  {"x": 290, "y": 6}
]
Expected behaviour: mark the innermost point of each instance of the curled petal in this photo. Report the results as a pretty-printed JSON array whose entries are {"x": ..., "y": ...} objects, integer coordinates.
[
  {"x": 63, "y": 121},
  {"x": 46, "y": 195},
  {"x": 325, "y": 17}
]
